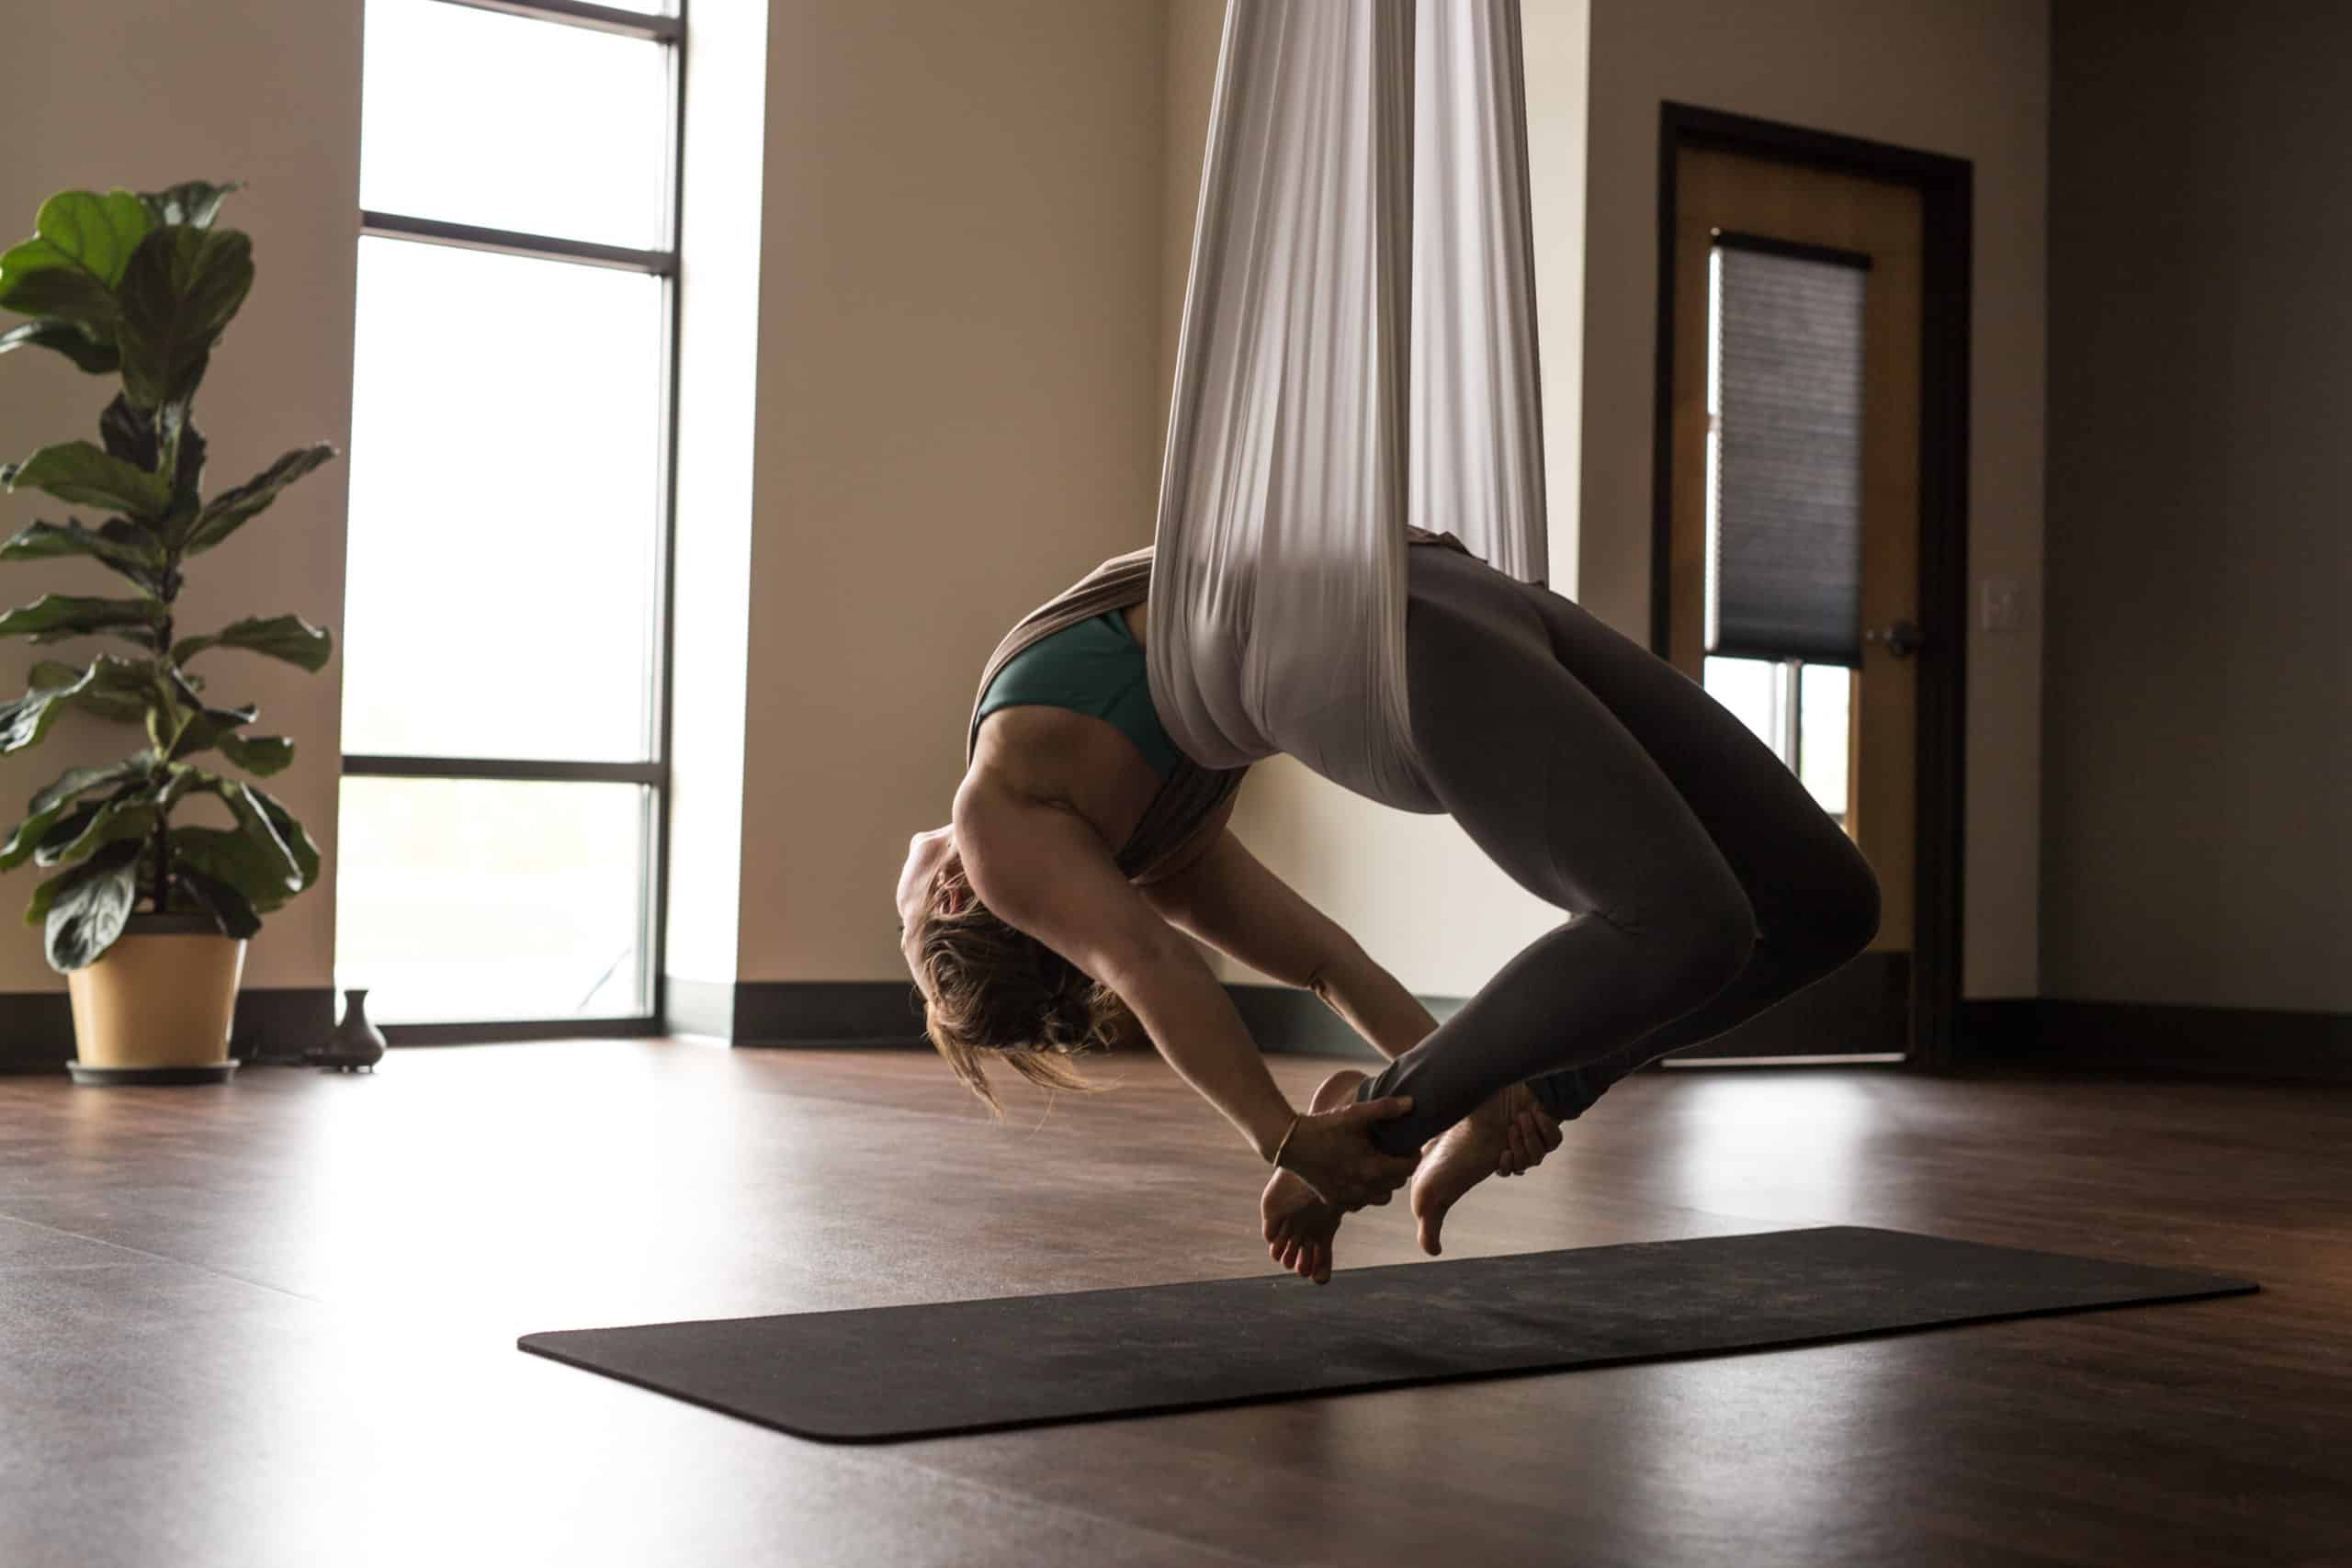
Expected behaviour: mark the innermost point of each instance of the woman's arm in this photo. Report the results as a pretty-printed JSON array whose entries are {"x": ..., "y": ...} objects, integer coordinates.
[
  {"x": 1041, "y": 868},
  {"x": 1228, "y": 899}
]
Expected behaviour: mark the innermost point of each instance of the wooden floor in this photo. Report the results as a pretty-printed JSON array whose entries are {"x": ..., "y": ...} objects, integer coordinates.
[{"x": 274, "y": 1324}]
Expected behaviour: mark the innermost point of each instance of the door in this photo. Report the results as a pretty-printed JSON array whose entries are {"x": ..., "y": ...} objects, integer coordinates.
[{"x": 1792, "y": 525}]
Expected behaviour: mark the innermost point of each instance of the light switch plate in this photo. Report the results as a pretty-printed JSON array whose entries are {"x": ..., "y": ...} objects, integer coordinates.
[{"x": 1997, "y": 602}]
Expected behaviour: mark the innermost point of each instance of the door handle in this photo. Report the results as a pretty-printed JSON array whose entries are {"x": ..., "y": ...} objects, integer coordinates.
[{"x": 1902, "y": 638}]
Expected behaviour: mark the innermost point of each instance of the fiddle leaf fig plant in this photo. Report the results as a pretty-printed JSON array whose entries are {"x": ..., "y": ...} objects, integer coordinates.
[{"x": 140, "y": 287}]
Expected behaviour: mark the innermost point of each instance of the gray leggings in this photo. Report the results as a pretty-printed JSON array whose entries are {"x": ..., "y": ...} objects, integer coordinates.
[{"x": 1706, "y": 882}]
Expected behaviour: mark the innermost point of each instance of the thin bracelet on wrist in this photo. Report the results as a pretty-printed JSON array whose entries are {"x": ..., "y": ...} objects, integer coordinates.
[{"x": 1276, "y": 1158}]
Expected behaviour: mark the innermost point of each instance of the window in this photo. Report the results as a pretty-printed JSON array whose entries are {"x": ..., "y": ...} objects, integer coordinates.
[
  {"x": 505, "y": 764},
  {"x": 1784, "y": 487}
]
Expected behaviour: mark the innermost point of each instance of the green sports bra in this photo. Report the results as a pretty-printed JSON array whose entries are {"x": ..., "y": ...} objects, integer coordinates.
[{"x": 1092, "y": 667}]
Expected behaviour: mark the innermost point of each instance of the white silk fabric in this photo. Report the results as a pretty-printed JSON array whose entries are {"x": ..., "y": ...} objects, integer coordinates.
[{"x": 1358, "y": 355}]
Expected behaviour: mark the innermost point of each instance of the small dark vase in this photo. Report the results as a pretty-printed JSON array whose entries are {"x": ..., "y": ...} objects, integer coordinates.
[{"x": 356, "y": 1043}]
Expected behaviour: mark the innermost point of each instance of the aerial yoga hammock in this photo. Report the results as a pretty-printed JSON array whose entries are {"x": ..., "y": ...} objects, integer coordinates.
[
  {"x": 1358, "y": 362},
  {"x": 1347, "y": 568}
]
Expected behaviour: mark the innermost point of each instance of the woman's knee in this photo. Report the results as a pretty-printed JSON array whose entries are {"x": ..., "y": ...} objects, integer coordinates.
[
  {"x": 1843, "y": 913},
  {"x": 1696, "y": 944}
]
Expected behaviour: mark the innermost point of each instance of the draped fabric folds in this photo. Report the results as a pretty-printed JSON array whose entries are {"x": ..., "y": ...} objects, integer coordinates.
[{"x": 1357, "y": 361}]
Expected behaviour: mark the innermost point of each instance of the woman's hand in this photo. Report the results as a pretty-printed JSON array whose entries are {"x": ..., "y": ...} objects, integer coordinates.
[
  {"x": 1332, "y": 1152},
  {"x": 1530, "y": 1132}
]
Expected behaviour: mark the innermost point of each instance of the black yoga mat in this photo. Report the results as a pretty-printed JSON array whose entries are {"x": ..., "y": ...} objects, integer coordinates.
[{"x": 881, "y": 1373}]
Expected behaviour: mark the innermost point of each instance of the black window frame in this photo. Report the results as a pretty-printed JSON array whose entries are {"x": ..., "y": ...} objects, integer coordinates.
[{"x": 667, "y": 30}]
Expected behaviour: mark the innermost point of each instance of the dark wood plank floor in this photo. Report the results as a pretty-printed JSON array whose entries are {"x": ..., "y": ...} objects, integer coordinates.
[{"x": 274, "y": 1324}]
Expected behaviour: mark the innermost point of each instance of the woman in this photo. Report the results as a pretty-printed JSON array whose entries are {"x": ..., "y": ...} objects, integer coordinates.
[{"x": 1705, "y": 881}]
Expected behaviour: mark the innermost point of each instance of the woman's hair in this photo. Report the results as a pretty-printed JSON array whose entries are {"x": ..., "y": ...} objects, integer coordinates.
[{"x": 988, "y": 986}]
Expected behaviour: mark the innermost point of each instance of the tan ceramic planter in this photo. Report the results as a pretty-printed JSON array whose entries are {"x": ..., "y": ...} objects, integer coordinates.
[{"x": 164, "y": 996}]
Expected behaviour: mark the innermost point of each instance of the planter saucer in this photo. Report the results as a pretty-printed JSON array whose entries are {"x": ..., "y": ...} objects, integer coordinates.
[{"x": 206, "y": 1072}]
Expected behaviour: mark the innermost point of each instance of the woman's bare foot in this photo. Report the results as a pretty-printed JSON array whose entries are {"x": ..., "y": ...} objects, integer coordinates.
[
  {"x": 1456, "y": 1160},
  {"x": 1299, "y": 1223}
]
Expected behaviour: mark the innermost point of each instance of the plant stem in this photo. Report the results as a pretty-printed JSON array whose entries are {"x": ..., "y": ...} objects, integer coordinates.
[
  {"x": 162, "y": 868},
  {"x": 167, "y": 467},
  {"x": 162, "y": 823}
]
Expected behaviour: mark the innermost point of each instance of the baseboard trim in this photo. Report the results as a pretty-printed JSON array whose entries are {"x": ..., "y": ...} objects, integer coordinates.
[
  {"x": 803, "y": 1013},
  {"x": 1285, "y": 1021},
  {"x": 886, "y": 1013},
  {"x": 271, "y": 1024},
  {"x": 280, "y": 1023},
  {"x": 1863, "y": 1008},
  {"x": 2279, "y": 1044}
]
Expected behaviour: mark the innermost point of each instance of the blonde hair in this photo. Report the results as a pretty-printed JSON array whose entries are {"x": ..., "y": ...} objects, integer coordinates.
[{"x": 988, "y": 986}]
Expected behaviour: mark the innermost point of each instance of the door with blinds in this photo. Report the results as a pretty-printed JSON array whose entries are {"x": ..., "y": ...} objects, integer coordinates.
[{"x": 1793, "y": 525}]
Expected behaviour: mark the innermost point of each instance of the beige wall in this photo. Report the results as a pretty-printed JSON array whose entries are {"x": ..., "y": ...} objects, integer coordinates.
[
  {"x": 1189, "y": 82},
  {"x": 2199, "y": 722},
  {"x": 1967, "y": 80},
  {"x": 143, "y": 94},
  {"x": 959, "y": 316}
]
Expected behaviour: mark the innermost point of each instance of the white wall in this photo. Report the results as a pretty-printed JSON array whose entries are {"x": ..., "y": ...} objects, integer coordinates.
[
  {"x": 718, "y": 408},
  {"x": 143, "y": 94},
  {"x": 1967, "y": 80}
]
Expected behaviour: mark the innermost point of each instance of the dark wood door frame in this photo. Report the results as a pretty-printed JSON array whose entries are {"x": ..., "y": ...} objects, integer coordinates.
[{"x": 1947, "y": 196}]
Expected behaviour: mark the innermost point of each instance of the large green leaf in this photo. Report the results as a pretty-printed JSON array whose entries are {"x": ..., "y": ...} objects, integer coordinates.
[
  {"x": 54, "y": 802},
  {"x": 45, "y": 893},
  {"x": 90, "y": 828},
  {"x": 95, "y": 235},
  {"x": 75, "y": 782},
  {"x": 281, "y": 822},
  {"x": 77, "y": 471},
  {"x": 178, "y": 294},
  {"x": 54, "y": 617},
  {"x": 68, "y": 338},
  {"x": 129, "y": 432},
  {"x": 236, "y": 915},
  {"x": 24, "y": 720},
  {"x": 256, "y": 867},
  {"x": 188, "y": 477},
  {"x": 112, "y": 689},
  {"x": 259, "y": 812},
  {"x": 289, "y": 637},
  {"x": 262, "y": 755},
  {"x": 139, "y": 437},
  {"x": 124, "y": 546},
  {"x": 86, "y": 908},
  {"x": 36, "y": 282},
  {"x": 82, "y": 247},
  {"x": 229, "y": 511},
  {"x": 205, "y": 729},
  {"x": 193, "y": 202}
]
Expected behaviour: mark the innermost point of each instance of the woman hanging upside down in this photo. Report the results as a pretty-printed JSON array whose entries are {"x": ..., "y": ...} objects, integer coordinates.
[{"x": 1704, "y": 882}]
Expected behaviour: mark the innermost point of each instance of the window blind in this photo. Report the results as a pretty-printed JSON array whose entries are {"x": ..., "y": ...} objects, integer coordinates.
[{"x": 1785, "y": 523}]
